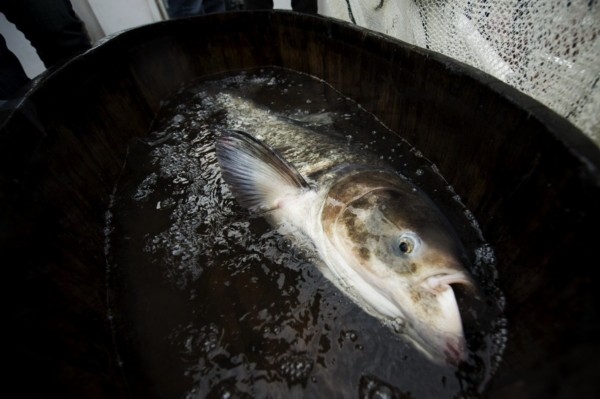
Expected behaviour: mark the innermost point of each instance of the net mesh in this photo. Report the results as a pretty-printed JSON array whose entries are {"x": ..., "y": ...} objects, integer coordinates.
[{"x": 549, "y": 50}]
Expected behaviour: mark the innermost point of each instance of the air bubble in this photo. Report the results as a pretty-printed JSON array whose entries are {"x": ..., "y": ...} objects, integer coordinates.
[
  {"x": 285, "y": 244},
  {"x": 296, "y": 369}
]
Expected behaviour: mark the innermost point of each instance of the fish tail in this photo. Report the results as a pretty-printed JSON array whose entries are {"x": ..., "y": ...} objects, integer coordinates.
[{"x": 257, "y": 175}]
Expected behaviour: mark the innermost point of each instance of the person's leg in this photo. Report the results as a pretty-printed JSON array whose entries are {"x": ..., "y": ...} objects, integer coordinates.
[
  {"x": 185, "y": 8},
  {"x": 52, "y": 27},
  {"x": 12, "y": 75},
  {"x": 258, "y": 4},
  {"x": 211, "y": 6},
  {"x": 307, "y": 6}
]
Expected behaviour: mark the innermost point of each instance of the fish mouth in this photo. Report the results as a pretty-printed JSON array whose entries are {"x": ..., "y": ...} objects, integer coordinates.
[
  {"x": 439, "y": 346},
  {"x": 442, "y": 281},
  {"x": 440, "y": 335},
  {"x": 451, "y": 341}
]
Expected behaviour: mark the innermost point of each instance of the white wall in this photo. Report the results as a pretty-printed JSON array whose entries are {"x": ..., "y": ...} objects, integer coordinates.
[
  {"x": 19, "y": 45},
  {"x": 282, "y": 4},
  {"x": 117, "y": 15}
]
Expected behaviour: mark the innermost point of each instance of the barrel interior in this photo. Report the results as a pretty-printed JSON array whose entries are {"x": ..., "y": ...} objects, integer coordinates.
[{"x": 529, "y": 176}]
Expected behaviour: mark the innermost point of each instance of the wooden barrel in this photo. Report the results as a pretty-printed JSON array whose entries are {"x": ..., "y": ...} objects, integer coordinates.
[{"x": 531, "y": 179}]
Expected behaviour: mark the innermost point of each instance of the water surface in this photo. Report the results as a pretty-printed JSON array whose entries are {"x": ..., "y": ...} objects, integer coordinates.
[{"x": 208, "y": 301}]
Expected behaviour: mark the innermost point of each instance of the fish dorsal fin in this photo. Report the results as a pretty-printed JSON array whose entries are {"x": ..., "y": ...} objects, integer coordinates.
[{"x": 257, "y": 175}]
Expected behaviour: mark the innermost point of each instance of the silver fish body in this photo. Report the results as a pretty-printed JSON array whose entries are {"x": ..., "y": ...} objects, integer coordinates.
[{"x": 381, "y": 240}]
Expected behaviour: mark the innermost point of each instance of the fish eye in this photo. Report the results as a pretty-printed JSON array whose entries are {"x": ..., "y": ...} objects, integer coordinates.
[
  {"x": 407, "y": 243},
  {"x": 405, "y": 246}
]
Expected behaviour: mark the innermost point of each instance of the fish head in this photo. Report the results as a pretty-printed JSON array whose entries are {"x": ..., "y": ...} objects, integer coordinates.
[{"x": 399, "y": 243}]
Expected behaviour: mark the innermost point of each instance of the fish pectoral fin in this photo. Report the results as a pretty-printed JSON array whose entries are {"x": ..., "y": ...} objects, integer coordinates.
[{"x": 257, "y": 175}]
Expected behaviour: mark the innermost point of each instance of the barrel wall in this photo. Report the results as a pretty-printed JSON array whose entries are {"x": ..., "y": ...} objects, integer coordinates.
[{"x": 531, "y": 179}]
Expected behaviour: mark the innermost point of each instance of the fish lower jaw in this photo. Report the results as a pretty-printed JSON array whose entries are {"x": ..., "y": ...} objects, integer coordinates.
[
  {"x": 455, "y": 351},
  {"x": 440, "y": 349}
]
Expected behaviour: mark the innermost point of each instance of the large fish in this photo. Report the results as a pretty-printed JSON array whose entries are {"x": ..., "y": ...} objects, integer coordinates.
[{"x": 381, "y": 240}]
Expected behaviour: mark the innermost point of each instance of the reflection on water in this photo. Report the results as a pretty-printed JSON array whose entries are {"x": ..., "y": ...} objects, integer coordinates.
[{"x": 207, "y": 301}]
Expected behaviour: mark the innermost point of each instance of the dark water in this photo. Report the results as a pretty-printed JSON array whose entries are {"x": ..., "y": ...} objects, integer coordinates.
[{"x": 207, "y": 301}]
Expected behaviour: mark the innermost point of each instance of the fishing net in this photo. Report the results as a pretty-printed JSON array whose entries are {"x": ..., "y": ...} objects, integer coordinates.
[{"x": 548, "y": 49}]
